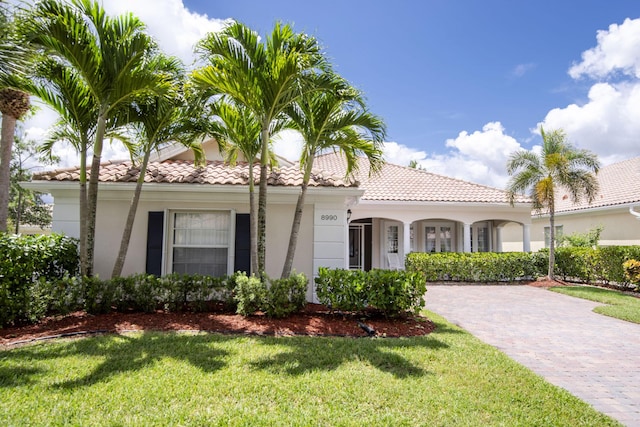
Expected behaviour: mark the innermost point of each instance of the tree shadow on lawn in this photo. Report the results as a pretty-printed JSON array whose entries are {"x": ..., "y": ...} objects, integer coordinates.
[
  {"x": 17, "y": 376},
  {"x": 320, "y": 353}
]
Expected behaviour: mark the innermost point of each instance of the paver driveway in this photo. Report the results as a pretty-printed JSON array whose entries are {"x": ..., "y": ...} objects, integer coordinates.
[{"x": 594, "y": 357}]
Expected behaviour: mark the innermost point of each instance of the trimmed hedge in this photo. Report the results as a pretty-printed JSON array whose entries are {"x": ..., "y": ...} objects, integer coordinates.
[
  {"x": 389, "y": 291},
  {"x": 478, "y": 266},
  {"x": 603, "y": 264},
  {"x": 28, "y": 266}
]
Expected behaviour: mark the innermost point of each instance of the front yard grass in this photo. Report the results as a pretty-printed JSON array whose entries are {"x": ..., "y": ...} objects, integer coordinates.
[
  {"x": 446, "y": 378},
  {"x": 619, "y": 305}
]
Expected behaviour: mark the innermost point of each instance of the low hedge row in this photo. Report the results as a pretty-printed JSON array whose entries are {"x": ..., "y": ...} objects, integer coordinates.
[
  {"x": 603, "y": 264},
  {"x": 147, "y": 293},
  {"x": 27, "y": 264},
  {"x": 478, "y": 266},
  {"x": 391, "y": 292}
]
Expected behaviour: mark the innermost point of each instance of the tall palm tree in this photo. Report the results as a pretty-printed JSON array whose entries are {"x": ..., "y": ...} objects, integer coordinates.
[
  {"x": 332, "y": 120},
  {"x": 559, "y": 165},
  {"x": 63, "y": 89},
  {"x": 157, "y": 120},
  {"x": 14, "y": 103},
  {"x": 266, "y": 78},
  {"x": 111, "y": 55}
]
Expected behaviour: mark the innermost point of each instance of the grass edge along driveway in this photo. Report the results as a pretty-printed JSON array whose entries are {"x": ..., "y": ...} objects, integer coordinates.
[
  {"x": 618, "y": 304},
  {"x": 151, "y": 378}
]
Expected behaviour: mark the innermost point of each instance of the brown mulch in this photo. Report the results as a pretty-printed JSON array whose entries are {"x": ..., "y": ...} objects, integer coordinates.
[{"x": 315, "y": 320}]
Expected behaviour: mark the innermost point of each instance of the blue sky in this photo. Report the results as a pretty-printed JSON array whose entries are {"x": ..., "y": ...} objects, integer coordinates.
[{"x": 460, "y": 84}]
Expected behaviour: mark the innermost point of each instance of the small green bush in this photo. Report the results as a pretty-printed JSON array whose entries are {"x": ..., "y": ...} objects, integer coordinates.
[
  {"x": 632, "y": 272},
  {"x": 250, "y": 293},
  {"x": 389, "y": 291},
  {"x": 286, "y": 296}
]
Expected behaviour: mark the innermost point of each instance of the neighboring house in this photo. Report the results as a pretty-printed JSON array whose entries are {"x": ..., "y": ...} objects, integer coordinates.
[
  {"x": 196, "y": 220},
  {"x": 619, "y": 191}
]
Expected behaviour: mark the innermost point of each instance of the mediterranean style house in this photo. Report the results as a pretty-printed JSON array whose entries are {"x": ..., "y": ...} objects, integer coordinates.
[
  {"x": 619, "y": 193},
  {"x": 196, "y": 220}
]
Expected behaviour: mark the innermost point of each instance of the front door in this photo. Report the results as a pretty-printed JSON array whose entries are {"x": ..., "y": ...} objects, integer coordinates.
[{"x": 356, "y": 254}]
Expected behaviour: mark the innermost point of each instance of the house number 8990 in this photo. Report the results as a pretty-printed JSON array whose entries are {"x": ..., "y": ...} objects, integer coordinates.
[{"x": 328, "y": 217}]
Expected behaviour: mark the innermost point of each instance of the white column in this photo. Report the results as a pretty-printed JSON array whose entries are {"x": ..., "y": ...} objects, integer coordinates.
[
  {"x": 406, "y": 243},
  {"x": 466, "y": 236},
  {"x": 499, "y": 239},
  {"x": 526, "y": 237}
]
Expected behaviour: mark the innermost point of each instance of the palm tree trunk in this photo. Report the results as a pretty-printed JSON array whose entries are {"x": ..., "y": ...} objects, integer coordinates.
[
  {"x": 6, "y": 141},
  {"x": 295, "y": 225},
  {"x": 84, "y": 268},
  {"x": 552, "y": 242},
  {"x": 253, "y": 223},
  {"x": 128, "y": 227},
  {"x": 92, "y": 199},
  {"x": 262, "y": 201},
  {"x": 18, "y": 212}
]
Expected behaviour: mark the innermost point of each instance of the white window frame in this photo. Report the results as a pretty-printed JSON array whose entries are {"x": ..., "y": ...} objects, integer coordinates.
[
  {"x": 169, "y": 227},
  {"x": 547, "y": 234},
  {"x": 438, "y": 226}
]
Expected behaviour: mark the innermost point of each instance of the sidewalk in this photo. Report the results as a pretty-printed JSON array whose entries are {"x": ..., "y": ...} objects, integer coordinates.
[{"x": 594, "y": 357}]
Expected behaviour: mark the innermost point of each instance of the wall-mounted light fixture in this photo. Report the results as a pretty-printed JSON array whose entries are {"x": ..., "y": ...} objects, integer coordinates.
[{"x": 348, "y": 214}]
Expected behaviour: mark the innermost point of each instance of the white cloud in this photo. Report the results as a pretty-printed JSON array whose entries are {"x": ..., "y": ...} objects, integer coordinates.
[
  {"x": 607, "y": 124},
  {"x": 617, "y": 51},
  {"x": 175, "y": 28},
  {"x": 479, "y": 157},
  {"x": 522, "y": 69}
]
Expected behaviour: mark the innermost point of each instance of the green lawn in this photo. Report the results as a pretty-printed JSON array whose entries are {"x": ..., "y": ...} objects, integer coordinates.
[
  {"x": 619, "y": 305},
  {"x": 448, "y": 378}
]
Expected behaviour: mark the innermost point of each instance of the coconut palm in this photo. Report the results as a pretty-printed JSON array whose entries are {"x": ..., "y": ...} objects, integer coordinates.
[
  {"x": 157, "y": 121},
  {"x": 559, "y": 165},
  {"x": 266, "y": 78},
  {"x": 332, "y": 120},
  {"x": 111, "y": 56}
]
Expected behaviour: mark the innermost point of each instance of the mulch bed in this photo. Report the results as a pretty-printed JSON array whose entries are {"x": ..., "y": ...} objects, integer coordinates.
[{"x": 315, "y": 320}]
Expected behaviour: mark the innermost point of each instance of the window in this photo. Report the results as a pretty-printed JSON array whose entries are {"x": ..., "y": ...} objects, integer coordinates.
[
  {"x": 480, "y": 237},
  {"x": 200, "y": 242},
  {"x": 439, "y": 238},
  {"x": 392, "y": 239},
  {"x": 547, "y": 235}
]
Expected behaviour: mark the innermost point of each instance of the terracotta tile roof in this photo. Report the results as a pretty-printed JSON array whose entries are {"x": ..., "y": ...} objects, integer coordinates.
[
  {"x": 399, "y": 183},
  {"x": 183, "y": 171},
  {"x": 619, "y": 184}
]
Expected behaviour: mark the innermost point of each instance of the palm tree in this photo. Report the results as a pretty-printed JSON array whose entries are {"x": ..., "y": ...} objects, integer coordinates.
[
  {"x": 64, "y": 90},
  {"x": 14, "y": 103},
  {"x": 332, "y": 120},
  {"x": 239, "y": 130},
  {"x": 157, "y": 120},
  {"x": 559, "y": 165},
  {"x": 264, "y": 77},
  {"x": 111, "y": 56}
]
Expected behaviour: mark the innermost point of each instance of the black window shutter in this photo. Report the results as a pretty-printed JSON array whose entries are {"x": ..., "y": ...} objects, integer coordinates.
[
  {"x": 243, "y": 244},
  {"x": 155, "y": 229}
]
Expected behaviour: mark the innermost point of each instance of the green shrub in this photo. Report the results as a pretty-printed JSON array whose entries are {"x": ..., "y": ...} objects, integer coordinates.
[
  {"x": 341, "y": 289},
  {"x": 250, "y": 293},
  {"x": 476, "y": 266},
  {"x": 632, "y": 272},
  {"x": 390, "y": 291},
  {"x": 286, "y": 296},
  {"x": 395, "y": 292},
  {"x": 27, "y": 264}
]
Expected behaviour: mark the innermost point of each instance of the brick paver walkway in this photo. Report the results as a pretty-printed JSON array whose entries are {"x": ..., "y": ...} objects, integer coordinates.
[{"x": 594, "y": 357}]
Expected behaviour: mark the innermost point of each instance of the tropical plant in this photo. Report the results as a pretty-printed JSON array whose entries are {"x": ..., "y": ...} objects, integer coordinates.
[
  {"x": 332, "y": 120},
  {"x": 239, "y": 131},
  {"x": 264, "y": 77},
  {"x": 111, "y": 56},
  {"x": 559, "y": 165},
  {"x": 588, "y": 239},
  {"x": 26, "y": 206},
  {"x": 156, "y": 120}
]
